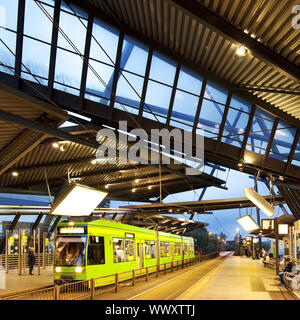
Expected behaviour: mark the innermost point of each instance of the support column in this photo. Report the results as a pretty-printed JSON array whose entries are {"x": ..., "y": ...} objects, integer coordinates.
[
  {"x": 39, "y": 251},
  {"x": 277, "y": 245},
  {"x": 20, "y": 252},
  {"x": 6, "y": 251}
]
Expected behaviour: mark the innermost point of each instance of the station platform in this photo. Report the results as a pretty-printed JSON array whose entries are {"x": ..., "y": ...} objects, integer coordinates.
[
  {"x": 12, "y": 283},
  {"x": 225, "y": 278}
]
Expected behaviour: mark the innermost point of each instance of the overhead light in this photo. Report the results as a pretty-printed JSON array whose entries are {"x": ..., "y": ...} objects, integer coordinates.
[
  {"x": 248, "y": 223},
  {"x": 15, "y": 174},
  {"x": 77, "y": 200},
  {"x": 106, "y": 186},
  {"x": 133, "y": 190},
  {"x": 62, "y": 148},
  {"x": 55, "y": 145},
  {"x": 260, "y": 202},
  {"x": 136, "y": 180},
  {"x": 149, "y": 187},
  {"x": 242, "y": 51}
]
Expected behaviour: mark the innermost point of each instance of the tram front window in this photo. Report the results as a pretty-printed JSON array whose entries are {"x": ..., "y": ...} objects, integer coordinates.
[{"x": 70, "y": 251}]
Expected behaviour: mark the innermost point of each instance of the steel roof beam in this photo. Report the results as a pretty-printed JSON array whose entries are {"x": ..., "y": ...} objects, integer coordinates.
[{"x": 4, "y": 115}]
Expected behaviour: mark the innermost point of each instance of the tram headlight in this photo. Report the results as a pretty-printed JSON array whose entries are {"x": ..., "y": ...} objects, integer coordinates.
[
  {"x": 58, "y": 269},
  {"x": 79, "y": 269}
]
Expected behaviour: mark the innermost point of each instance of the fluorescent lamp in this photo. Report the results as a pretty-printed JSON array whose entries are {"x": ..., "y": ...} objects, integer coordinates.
[
  {"x": 283, "y": 228},
  {"x": 78, "y": 200},
  {"x": 260, "y": 202},
  {"x": 248, "y": 223}
]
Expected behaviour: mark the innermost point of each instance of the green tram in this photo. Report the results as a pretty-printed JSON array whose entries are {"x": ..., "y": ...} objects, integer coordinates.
[{"x": 87, "y": 250}]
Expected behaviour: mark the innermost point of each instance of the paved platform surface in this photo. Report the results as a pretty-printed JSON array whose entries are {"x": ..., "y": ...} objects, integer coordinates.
[
  {"x": 224, "y": 278},
  {"x": 12, "y": 282}
]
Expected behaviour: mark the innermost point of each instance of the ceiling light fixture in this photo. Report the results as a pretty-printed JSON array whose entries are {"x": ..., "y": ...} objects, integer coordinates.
[
  {"x": 15, "y": 174},
  {"x": 248, "y": 223},
  {"x": 242, "y": 51},
  {"x": 260, "y": 202},
  {"x": 77, "y": 200}
]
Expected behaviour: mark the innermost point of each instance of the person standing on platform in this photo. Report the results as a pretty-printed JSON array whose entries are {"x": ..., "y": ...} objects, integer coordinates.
[{"x": 31, "y": 260}]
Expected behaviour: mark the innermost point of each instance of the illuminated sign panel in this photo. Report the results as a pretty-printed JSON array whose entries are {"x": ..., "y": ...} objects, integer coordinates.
[
  {"x": 283, "y": 229},
  {"x": 72, "y": 230},
  {"x": 268, "y": 224},
  {"x": 129, "y": 235}
]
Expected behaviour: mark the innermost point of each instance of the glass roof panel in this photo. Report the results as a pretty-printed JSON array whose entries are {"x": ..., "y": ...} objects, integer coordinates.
[
  {"x": 98, "y": 75},
  {"x": 36, "y": 23},
  {"x": 283, "y": 140},
  {"x": 129, "y": 89},
  {"x": 296, "y": 157},
  {"x": 104, "y": 42},
  {"x": 9, "y": 14},
  {"x": 36, "y": 56},
  {"x": 134, "y": 56},
  {"x": 235, "y": 127},
  {"x": 215, "y": 92},
  {"x": 189, "y": 81},
  {"x": 240, "y": 103},
  {"x": 162, "y": 69},
  {"x": 210, "y": 118},
  {"x": 260, "y": 131},
  {"x": 74, "y": 32},
  {"x": 157, "y": 99},
  {"x": 184, "y": 107},
  {"x": 68, "y": 68},
  {"x": 7, "y": 50}
]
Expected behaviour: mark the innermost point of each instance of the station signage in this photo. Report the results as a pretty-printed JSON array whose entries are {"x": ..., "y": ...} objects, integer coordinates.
[
  {"x": 268, "y": 224},
  {"x": 283, "y": 229}
]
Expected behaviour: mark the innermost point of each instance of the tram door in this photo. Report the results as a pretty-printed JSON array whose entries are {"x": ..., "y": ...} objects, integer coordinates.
[
  {"x": 172, "y": 251},
  {"x": 140, "y": 254}
]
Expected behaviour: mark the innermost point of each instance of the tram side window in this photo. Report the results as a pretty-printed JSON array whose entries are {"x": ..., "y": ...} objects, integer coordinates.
[
  {"x": 129, "y": 250},
  {"x": 164, "y": 249},
  {"x": 96, "y": 250},
  {"x": 150, "y": 249},
  {"x": 177, "y": 249},
  {"x": 118, "y": 247},
  {"x": 185, "y": 248}
]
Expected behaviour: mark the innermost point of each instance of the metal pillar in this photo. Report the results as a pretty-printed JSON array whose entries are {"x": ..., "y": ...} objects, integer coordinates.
[
  {"x": 44, "y": 247},
  {"x": 20, "y": 252},
  {"x": 6, "y": 251},
  {"x": 290, "y": 243},
  {"x": 39, "y": 251},
  {"x": 277, "y": 245}
]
